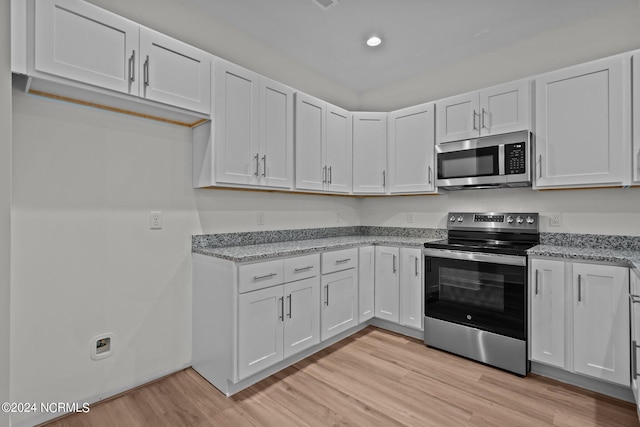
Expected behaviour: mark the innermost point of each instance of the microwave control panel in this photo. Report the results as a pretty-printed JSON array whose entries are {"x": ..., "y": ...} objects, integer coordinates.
[{"x": 515, "y": 158}]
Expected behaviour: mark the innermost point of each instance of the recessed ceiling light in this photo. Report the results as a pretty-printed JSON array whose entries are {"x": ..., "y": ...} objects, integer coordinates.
[{"x": 374, "y": 41}]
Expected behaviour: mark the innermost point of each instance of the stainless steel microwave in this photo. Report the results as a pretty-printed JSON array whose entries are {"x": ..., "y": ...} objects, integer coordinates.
[{"x": 488, "y": 162}]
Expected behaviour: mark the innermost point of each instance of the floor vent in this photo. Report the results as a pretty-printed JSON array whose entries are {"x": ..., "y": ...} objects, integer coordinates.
[{"x": 326, "y": 4}]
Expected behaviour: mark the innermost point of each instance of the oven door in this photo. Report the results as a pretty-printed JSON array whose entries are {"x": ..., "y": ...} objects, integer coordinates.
[{"x": 483, "y": 291}]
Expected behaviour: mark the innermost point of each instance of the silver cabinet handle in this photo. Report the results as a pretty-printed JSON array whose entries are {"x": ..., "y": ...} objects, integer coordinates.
[
  {"x": 384, "y": 178},
  {"x": 289, "y": 314},
  {"x": 326, "y": 295},
  {"x": 634, "y": 360},
  {"x": 132, "y": 67},
  {"x": 264, "y": 165},
  {"x": 324, "y": 174},
  {"x": 394, "y": 264},
  {"x": 281, "y": 301},
  {"x": 417, "y": 272},
  {"x": 430, "y": 175},
  {"x": 342, "y": 261},
  {"x": 300, "y": 269},
  {"x": 264, "y": 276},
  {"x": 540, "y": 165},
  {"x": 537, "y": 271},
  {"x": 257, "y": 157},
  {"x": 579, "y": 287},
  {"x": 635, "y": 299},
  {"x": 484, "y": 112},
  {"x": 330, "y": 175},
  {"x": 475, "y": 114},
  {"x": 146, "y": 71}
]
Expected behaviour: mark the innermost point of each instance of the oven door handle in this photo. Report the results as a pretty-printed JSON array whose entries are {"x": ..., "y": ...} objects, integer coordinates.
[{"x": 477, "y": 256}]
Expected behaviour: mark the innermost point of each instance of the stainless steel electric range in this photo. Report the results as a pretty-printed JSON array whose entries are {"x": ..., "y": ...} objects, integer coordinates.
[{"x": 476, "y": 288}]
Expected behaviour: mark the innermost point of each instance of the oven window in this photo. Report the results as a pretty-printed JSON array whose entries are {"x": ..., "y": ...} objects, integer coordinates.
[
  {"x": 475, "y": 288},
  {"x": 468, "y": 163}
]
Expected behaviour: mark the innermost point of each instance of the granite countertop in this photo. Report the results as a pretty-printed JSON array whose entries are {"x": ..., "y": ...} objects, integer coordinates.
[
  {"x": 246, "y": 253},
  {"x": 627, "y": 257}
]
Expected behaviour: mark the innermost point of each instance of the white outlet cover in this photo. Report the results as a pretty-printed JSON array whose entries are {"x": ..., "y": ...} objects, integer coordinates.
[{"x": 155, "y": 220}]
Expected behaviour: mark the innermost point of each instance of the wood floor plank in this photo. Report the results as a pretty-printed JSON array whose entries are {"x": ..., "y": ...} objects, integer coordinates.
[{"x": 374, "y": 378}]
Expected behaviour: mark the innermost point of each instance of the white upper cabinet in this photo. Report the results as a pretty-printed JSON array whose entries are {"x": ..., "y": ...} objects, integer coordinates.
[
  {"x": 252, "y": 131},
  {"x": 581, "y": 125},
  {"x": 173, "y": 72},
  {"x": 323, "y": 146},
  {"x": 79, "y": 41},
  {"x": 495, "y": 110},
  {"x": 411, "y": 150},
  {"x": 370, "y": 153},
  {"x": 78, "y": 52},
  {"x": 635, "y": 67}
]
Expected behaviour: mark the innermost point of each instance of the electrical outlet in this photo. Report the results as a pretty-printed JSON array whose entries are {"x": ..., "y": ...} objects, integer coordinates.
[
  {"x": 260, "y": 218},
  {"x": 409, "y": 217},
  {"x": 155, "y": 220},
  {"x": 555, "y": 220}
]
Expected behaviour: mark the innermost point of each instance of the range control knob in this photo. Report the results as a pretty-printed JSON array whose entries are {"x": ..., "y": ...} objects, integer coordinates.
[
  {"x": 452, "y": 218},
  {"x": 460, "y": 218},
  {"x": 510, "y": 219},
  {"x": 530, "y": 220},
  {"x": 519, "y": 220}
]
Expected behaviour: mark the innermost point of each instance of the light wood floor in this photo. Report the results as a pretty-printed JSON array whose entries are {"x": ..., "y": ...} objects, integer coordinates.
[{"x": 373, "y": 378}]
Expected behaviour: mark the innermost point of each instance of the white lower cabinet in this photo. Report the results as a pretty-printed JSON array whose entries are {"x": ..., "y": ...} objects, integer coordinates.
[
  {"x": 634, "y": 291},
  {"x": 580, "y": 318},
  {"x": 339, "y": 302},
  {"x": 387, "y": 283},
  {"x": 366, "y": 283},
  {"x": 411, "y": 286}
]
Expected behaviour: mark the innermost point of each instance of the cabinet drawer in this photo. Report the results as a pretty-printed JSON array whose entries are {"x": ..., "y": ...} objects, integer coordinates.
[
  {"x": 339, "y": 260},
  {"x": 260, "y": 275},
  {"x": 301, "y": 267}
]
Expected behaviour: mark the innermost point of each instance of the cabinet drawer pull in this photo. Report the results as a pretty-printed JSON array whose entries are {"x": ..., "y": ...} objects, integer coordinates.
[
  {"x": 394, "y": 264},
  {"x": 265, "y": 276},
  {"x": 132, "y": 67},
  {"x": 281, "y": 301},
  {"x": 326, "y": 295},
  {"x": 324, "y": 174},
  {"x": 537, "y": 271},
  {"x": 342, "y": 261},
  {"x": 330, "y": 176},
  {"x": 384, "y": 179},
  {"x": 264, "y": 165},
  {"x": 540, "y": 165},
  {"x": 146, "y": 71},
  {"x": 417, "y": 272},
  {"x": 430, "y": 175},
  {"x": 289, "y": 314},
  {"x": 257, "y": 157},
  {"x": 300, "y": 269},
  {"x": 475, "y": 114}
]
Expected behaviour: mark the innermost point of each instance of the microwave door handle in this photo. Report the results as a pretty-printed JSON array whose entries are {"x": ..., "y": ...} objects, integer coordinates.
[{"x": 501, "y": 171}]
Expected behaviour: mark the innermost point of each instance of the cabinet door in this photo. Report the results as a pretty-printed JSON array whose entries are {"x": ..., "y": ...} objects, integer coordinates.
[
  {"x": 580, "y": 134},
  {"x": 339, "y": 149},
  {"x": 310, "y": 140},
  {"x": 411, "y": 286},
  {"x": 302, "y": 315},
  {"x": 547, "y": 295},
  {"x": 411, "y": 149},
  {"x": 174, "y": 73},
  {"x": 260, "y": 330},
  {"x": 236, "y": 124},
  {"x": 601, "y": 322},
  {"x": 276, "y": 134},
  {"x": 387, "y": 284},
  {"x": 505, "y": 108},
  {"x": 458, "y": 117},
  {"x": 366, "y": 280},
  {"x": 339, "y": 304},
  {"x": 635, "y": 67},
  {"x": 369, "y": 153},
  {"x": 79, "y": 41}
]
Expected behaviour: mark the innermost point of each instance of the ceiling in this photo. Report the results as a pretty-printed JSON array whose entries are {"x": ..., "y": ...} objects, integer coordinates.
[{"x": 419, "y": 35}]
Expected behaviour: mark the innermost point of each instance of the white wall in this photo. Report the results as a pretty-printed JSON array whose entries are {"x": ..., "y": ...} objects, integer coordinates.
[
  {"x": 84, "y": 261},
  {"x": 5, "y": 204},
  {"x": 602, "y": 211},
  {"x": 601, "y": 35}
]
